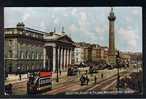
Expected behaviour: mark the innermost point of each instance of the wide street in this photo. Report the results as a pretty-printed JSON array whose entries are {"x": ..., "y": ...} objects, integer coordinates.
[{"x": 71, "y": 84}]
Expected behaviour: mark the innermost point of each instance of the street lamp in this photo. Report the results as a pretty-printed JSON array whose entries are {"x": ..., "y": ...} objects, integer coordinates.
[{"x": 118, "y": 75}]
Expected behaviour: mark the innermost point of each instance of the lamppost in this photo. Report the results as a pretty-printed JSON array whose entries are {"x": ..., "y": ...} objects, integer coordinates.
[{"x": 118, "y": 75}]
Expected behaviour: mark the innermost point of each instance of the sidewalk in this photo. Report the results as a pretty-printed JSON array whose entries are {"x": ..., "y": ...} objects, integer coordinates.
[{"x": 12, "y": 78}]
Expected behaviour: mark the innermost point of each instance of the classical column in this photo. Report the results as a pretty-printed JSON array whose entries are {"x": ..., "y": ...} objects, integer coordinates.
[
  {"x": 70, "y": 56},
  {"x": 58, "y": 58},
  {"x": 57, "y": 67},
  {"x": 67, "y": 53},
  {"x": 57, "y": 64},
  {"x": 44, "y": 59},
  {"x": 61, "y": 58},
  {"x": 54, "y": 58},
  {"x": 64, "y": 59}
]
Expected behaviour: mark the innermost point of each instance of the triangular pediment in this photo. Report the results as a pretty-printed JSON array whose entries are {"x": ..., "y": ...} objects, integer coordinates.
[{"x": 65, "y": 38}]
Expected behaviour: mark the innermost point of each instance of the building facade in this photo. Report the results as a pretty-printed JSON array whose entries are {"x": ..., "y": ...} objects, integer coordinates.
[
  {"x": 85, "y": 52},
  {"x": 23, "y": 49},
  {"x": 29, "y": 50},
  {"x": 81, "y": 53},
  {"x": 59, "y": 49}
]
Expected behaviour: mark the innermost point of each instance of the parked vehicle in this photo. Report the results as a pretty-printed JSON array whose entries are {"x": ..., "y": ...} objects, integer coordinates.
[
  {"x": 92, "y": 69},
  {"x": 72, "y": 71}
]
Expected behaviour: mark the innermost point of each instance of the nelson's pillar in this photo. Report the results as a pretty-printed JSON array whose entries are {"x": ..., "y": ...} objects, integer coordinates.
[{"x": 112, "y": 56}]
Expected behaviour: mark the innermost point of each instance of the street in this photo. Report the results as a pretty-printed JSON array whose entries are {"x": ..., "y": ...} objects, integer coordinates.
[{"x": 69, "y": 84}]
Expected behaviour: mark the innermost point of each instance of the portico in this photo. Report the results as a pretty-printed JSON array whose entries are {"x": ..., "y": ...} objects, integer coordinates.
[{"x": 58, "y": 53}]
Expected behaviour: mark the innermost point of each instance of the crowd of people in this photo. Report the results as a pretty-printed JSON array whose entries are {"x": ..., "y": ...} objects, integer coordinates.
[{"x": 132, "y": 81}]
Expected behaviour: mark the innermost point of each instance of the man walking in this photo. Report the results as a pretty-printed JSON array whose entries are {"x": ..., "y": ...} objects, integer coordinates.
[{"x": 95, "y": 79}]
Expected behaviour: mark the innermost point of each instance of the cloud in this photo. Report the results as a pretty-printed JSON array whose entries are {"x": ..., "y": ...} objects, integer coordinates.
[
  {"x": 84, "y": 23},
  {"x": 43, "y": 26},
  {"x": 130, "y": 37},
  {"x": 56, "y": 21},
  {"x": 25, "y": 17},
  {"x": 82, "y": 20},
  {"x": 136, "y": 11},
  {"x": 73, "y": 28},
  {"x": 28, "y": 14},
  {"x": 100, "y": 31},
  {"x": 74, "y": 11}
]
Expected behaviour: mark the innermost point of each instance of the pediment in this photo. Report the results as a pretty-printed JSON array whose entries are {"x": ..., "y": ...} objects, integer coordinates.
[{"x": 65, "y": 38}]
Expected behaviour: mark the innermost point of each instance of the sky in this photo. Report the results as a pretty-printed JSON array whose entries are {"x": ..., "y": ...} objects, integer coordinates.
[{"x": 83, "y": 24}]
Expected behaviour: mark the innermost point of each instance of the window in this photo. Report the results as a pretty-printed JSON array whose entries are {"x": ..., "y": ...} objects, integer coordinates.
[
  {"x": 77, "y": 59},
  {"x": 26, "y": 55},
  {"x": 10, "y": 54},
  {"x": 15, "y": 31},
  {"x": 32, "y": 55},
  {"x": 27, "y": 33},
  {"x": 21, "y": 54},
  {"x": 10, "y": 42}
]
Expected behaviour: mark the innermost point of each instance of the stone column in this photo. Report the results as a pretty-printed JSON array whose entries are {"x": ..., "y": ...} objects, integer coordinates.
[
  {"x": 54, "y": 58},
  {"x": 64, "y": 59},
  {"x": 61, "y": 58},
  {"x": 57, "y": 67},
  {"x": 44, "y": 58},
  {"x": 70, "y": 56},
  {"x": 58, "y": 57},
  {"x": 67, "y": 58}
]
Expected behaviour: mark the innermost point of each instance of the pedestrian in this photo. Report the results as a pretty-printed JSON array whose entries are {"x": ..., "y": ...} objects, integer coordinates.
[
  {"x": 87, "y": 79},
  {"x": 86, "y": 72},
  {"x": 19, "y": 76},
  {"x": 95, "y": 78},
  {"x": 30, "y": 86},
  {"x": 139, "y": 87},
  {"x": 60, "y": 72},
  {"x": 79, "y": 72},
  {"x": 10, "y": 89},
  {"x": 102, "y": 75},
  {"x": 82, "y": 79}
]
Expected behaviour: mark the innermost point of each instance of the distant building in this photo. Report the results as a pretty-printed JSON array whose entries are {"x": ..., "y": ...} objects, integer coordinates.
[
  {"x": 99, "y": 53},
  {"x": 81, "y": 52},
  {"x": 86, "y": 52},
  {"x": 29, "y": 50},
  {"x": 125, "y": 57}
]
